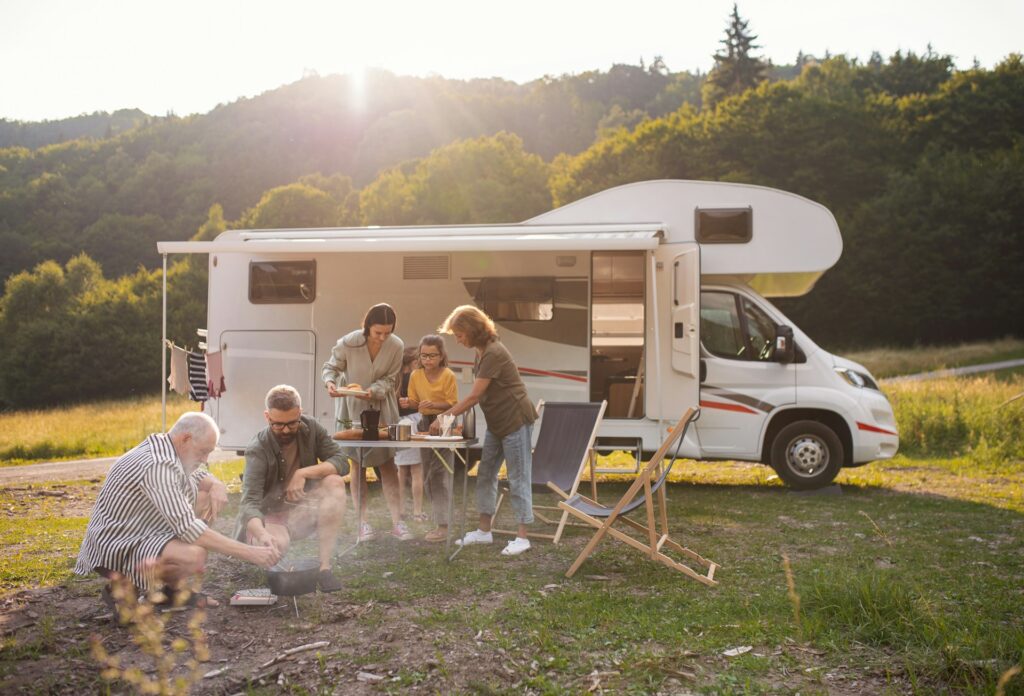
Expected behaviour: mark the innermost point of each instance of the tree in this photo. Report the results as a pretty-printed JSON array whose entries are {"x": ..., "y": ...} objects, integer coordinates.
[
  {"x": 484, "y": 180},
  {"x": 736, "y": 70}
]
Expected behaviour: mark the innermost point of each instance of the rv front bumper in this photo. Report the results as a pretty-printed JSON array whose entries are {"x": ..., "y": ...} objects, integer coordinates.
[{"x": 876, "y": 435}]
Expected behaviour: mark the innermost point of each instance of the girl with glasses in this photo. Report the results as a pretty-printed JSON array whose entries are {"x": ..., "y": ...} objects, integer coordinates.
[
  {"x": 407, "y": 459},
  {"x": 433, "y": 390}
]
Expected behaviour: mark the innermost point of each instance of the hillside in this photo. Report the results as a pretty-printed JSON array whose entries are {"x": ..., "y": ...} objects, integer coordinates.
[{"x": 922, "y": 165}]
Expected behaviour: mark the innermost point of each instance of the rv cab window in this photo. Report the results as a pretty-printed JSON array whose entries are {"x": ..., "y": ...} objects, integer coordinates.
[
  {"x": 733, "y": 327},
  {"x": 724, "y": 225},
  {"x": 282, "y": 282}
]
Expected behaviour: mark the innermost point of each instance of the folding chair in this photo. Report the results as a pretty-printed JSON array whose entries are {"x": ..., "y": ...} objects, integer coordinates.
[
  {"x": 603, "y": 518},
  {"x": 565, "y": 447}
]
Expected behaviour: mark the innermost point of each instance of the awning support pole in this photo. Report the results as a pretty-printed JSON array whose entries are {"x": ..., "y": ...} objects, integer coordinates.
[{"x": 163, "y": 355}]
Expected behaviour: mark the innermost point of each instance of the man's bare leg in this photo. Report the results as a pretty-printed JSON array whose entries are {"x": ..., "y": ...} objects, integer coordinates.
[{"x": 330, "y": 511}]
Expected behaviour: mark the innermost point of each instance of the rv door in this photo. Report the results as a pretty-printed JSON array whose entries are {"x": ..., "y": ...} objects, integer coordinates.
[
  {"x": 677, "y": 386},
  {"x": 685, "y": 315}
]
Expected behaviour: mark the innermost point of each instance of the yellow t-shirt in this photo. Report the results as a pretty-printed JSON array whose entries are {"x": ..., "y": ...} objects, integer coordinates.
[{"x": 445, "y": 389}]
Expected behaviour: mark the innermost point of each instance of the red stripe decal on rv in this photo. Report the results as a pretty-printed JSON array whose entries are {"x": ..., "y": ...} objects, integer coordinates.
[
  {"x": 875, "y": 429},
  {"x": 726, "y": 407},
  {"x": 534, "y": 371}
]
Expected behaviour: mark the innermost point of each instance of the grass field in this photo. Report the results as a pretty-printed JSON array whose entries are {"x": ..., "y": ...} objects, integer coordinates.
[
  {"x": 889, "y": 362},
  {"x": 911, "y": 580},
  {"x": 99, "y": 429}
]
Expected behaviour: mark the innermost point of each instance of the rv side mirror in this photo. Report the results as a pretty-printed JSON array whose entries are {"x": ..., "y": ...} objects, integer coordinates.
[{"x": 784, "y": 351}]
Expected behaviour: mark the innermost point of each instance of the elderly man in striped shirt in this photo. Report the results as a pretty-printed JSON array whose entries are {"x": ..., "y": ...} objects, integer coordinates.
[{"x": 152, "y": 515}]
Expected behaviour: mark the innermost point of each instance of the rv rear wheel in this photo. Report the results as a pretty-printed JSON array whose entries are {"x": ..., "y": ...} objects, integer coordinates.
[{"x": 806, "y": 454}]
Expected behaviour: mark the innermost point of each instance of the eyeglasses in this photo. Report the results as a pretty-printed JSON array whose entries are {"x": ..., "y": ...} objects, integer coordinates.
[
  {"x": 290, "y": 425},
  {"x": 429, "y": 356}
]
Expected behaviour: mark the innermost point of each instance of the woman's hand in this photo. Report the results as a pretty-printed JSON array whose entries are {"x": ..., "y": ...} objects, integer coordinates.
[
  {"x": 332, "y": 390},
  {"x": 408, "y": 402}
]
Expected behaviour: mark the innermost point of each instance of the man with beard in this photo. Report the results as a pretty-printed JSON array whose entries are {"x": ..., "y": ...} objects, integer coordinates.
[
  {"x": 151, "y": 519},
  {"x": 293, "y": 484}
]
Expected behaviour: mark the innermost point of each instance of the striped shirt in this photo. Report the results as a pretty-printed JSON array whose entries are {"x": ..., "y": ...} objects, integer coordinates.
[{"x": 146, "y": 501}]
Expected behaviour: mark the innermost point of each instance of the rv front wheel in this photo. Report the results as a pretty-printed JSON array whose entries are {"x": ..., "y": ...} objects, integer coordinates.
[{"x": 806, "y": 454}]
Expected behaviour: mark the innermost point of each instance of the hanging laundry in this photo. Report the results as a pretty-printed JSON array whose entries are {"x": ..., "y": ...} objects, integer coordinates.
[
  {"x": 215, "y": 374},
  {"x": 178, "y": 379},
  {"x": 197, "y": 390}
]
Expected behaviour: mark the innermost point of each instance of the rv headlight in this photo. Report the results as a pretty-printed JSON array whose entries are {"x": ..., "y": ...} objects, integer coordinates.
[{"x": 857, "y": 379}]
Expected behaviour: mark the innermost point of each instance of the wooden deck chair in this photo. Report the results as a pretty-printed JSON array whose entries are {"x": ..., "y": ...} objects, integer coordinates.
[
  {"x": 565, "y": 447},
  {"x": 603, "y": 518}
]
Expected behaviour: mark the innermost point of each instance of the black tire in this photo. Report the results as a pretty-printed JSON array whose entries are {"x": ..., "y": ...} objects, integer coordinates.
[{"x": 806, "y": 455}]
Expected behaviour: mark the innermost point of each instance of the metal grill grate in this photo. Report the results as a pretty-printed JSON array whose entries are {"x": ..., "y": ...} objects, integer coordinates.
[{"x": 425, "y": 268}]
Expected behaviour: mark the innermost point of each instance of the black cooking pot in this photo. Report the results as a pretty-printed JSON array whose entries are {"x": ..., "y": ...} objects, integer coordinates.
[{"x": 291, "y": 578}]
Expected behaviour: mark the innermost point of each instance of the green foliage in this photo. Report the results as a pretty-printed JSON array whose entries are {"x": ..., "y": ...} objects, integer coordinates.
[
  {"x": 486, "y": 180},
  {"x": 921, "y": 165},
  {"x": 69, "y": 334}
]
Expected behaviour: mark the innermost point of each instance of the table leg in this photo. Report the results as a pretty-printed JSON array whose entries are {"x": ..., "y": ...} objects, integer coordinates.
[
  {"x": 451, "y": 501},
  {"x": 357, "y": 492}
]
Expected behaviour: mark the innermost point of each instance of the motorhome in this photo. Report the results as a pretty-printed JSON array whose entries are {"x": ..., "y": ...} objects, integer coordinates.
[{"x": 651, "y": 296}]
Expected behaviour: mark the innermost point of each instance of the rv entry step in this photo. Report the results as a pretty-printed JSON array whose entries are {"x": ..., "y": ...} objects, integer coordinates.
[{"x": 631, "y": 445}]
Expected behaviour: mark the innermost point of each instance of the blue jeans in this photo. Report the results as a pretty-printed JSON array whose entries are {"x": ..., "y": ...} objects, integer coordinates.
[{"x": 514, "y": 450}]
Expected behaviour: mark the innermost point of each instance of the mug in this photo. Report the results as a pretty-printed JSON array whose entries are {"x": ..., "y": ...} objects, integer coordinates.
[{"x": 400, "y": 432}]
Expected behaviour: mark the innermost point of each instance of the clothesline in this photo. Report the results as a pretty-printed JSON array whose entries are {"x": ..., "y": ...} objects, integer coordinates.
[{"x": 198, "y": 374}]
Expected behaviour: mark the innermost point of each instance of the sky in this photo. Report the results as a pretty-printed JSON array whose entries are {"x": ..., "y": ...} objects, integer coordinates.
[{"x": 62, "y": 58}]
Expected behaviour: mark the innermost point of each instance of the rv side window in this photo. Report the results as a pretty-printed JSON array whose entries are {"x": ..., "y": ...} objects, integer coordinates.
[
  {"x": 724, "y": 225},
  {"x": 282, "y": 282},
  {"x": 517, "y": 299}
]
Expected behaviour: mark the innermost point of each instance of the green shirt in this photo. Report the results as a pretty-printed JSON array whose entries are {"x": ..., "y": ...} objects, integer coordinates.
[{"x": 266, "y": 469}]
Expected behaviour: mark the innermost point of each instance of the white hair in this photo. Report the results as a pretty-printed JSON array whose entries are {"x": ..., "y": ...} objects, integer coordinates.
[
  {"x": 195, "y": 424},
  {"x": 283, "y": 398}
]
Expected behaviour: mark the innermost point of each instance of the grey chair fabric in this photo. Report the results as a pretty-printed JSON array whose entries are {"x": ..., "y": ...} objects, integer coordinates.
[
  {"x": 589, "y": 508},
  {"x": 563, "y": 442}
]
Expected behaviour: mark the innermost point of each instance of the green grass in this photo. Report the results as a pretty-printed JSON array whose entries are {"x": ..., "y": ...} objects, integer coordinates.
[
  {"x": 961, "y": 417},
  {"x": 100, "y": 429},
  {"x": 889, "y": 362},
  {"x": 912, "y": 576},
  {"x": 910, "y": 581}
]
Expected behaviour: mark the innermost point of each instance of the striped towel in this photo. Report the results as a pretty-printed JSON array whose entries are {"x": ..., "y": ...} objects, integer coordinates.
[{"x": 197, "y": 390}]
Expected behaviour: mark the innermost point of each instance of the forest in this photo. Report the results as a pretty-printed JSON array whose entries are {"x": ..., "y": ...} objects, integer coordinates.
[{"x": 921, "y": 163}]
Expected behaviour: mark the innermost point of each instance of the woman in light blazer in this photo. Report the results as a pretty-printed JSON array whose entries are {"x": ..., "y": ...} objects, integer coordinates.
[{"x": 371, "y": 357}]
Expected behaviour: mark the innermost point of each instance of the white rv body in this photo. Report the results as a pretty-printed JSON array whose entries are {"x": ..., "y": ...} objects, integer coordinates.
[{"x": 621, "y": 279}]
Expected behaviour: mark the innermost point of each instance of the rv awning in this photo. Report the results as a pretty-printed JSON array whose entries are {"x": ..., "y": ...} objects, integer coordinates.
[{"x": 421, "y": 239}]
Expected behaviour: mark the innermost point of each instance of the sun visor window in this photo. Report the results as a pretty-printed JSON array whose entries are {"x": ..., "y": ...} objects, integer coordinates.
[
  {"x": 724, "y": 225},
  {"x": 282, "y": 282},
  {"x": 517, "y": 299}
]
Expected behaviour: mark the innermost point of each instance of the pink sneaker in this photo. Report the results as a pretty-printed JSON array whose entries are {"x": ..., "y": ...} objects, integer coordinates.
[{"x": 401, "y": 531}]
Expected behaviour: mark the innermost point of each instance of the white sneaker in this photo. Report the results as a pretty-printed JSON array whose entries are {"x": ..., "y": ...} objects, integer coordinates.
[
  {"x": 366, "y": 532},
  {"x": 516, "y": 547},
  {"x": 477, "y": 536}
]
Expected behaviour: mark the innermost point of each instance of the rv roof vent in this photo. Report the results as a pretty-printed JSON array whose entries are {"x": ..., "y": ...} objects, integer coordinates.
[{"x": 425, "y": 268}]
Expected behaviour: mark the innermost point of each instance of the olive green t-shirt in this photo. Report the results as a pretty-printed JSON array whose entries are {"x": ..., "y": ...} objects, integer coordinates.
[{"x": 505, "y": 404}]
